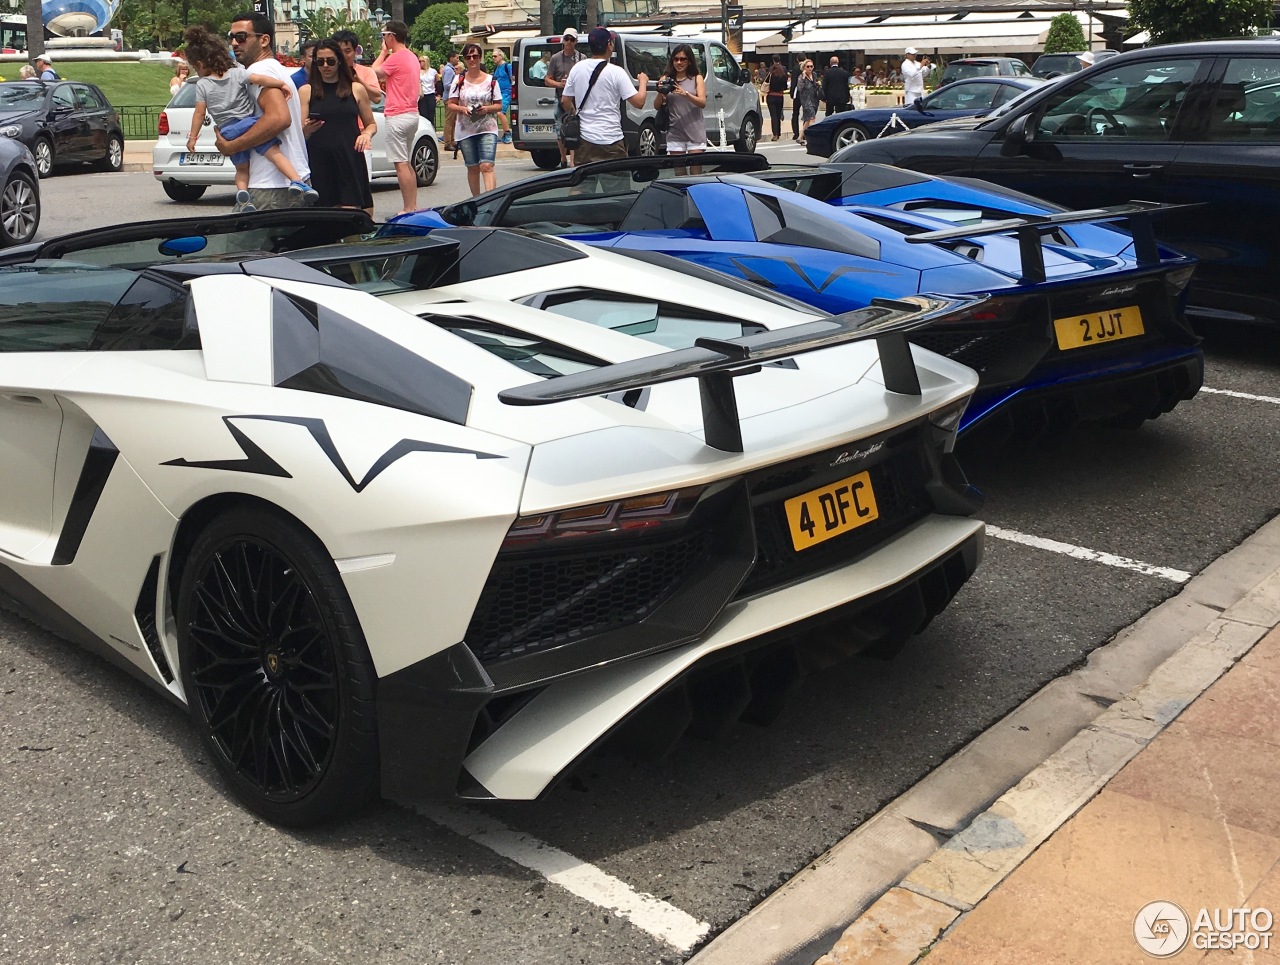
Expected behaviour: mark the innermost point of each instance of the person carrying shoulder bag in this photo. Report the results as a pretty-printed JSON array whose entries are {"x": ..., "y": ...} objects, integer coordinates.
[{"x": 595, "y": 91}]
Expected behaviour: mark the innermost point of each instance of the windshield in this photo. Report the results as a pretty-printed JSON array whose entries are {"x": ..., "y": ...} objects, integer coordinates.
[
  {"x": 20, "y": 97},
  {"x": 959, "y": 71}
]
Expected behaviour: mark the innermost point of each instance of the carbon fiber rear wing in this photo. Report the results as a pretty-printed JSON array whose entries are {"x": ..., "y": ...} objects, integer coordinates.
[
  {"x": 1029, "y": 229},
  {"x": 715, "y": 362}
]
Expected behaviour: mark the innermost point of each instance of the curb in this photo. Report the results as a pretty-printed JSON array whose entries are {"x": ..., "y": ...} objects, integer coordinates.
[{"x": 889, "y": 889}]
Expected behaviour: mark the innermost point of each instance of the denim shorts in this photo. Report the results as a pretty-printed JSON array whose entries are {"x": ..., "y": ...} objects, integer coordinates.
[{"x": 478, "y": 148}]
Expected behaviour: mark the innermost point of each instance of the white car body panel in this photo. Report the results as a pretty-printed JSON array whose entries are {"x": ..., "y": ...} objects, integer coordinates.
[
  {"x": 564, "y": 720},
  {"x": 414, "y": 504}
]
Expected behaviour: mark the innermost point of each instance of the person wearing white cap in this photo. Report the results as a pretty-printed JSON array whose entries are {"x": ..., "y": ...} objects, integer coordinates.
[
  {"x": 1086, "y": 58},
  {"x": 913, "y": 72},
  {"x": 558, "y": 73}
]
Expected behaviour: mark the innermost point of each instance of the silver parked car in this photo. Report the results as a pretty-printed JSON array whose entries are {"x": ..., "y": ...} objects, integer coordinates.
[
  {"x": 729, "y": 88},
  {"x": 184, "y": 174}
]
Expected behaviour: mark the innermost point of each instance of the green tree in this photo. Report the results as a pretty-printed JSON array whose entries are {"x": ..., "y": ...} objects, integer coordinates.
[
  {"x": 158, "y": 24},
  {"x": 325, "y": 22},
  {"x": 430, "y": 28},
  {"x": 1065, "y": 35},
  {"x": 1175, "y": 21}
]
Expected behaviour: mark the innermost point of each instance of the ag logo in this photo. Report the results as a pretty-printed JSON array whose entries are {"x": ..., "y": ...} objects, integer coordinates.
[{"x": 1161, "y": 929}]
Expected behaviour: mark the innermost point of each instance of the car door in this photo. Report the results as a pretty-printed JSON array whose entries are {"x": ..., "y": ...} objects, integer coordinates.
[
  {"x": 95, "y": 120},
  {"x": 1105, "y": 137},
  {"x": 70, "y": 132},
  {"x": 723, "y": 85},
  {"x": 1230, "y": 164}
]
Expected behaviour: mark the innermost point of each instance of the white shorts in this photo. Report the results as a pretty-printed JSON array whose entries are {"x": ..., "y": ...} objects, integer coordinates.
[
  {"x": 401, "y": 129},
  {"x": 685, "y": 146}
]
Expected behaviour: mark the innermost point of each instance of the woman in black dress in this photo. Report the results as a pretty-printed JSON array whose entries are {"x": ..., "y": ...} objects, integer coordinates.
[{"x": 339, "y": 126}]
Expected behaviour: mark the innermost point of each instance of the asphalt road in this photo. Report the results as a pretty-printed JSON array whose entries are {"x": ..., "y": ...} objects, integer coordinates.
[{"x": 122, "y": 847}]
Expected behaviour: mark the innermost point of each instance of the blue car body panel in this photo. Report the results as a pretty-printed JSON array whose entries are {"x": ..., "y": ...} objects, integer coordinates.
[{"x": 838, "y": 251}]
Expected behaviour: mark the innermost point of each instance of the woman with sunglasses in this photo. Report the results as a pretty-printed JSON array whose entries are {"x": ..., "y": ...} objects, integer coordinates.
[
  {"x": 331, "y": 102},
  {"x": 475, "y": 100},
  {"x": 684, "y": 93},
  {"x": 807, "y": 91}
]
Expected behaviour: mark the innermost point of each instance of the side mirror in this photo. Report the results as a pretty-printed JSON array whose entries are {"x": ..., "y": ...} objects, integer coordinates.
[
  {"x": 918, "y": 104},
  {"x": 1016, "y": 137}
]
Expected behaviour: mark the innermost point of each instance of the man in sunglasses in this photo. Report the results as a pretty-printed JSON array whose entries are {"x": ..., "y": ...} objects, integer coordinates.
[
  {"x": 253, "y": 39},
  {"x": 398, "y": 68},
  {"x": 558, "y": 74}
]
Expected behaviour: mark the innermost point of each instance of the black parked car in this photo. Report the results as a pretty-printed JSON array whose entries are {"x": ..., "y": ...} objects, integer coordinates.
[
  {"x": 1186, "y": 123},
  {"x": 19, "y": 194},
  {"x": 62, "y": 122}
]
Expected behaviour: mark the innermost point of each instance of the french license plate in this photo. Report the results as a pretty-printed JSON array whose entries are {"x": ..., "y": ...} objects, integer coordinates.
[
  {"x": 199, "y": 158},
  {"x": 539, "y": 128},
  {"x": 820, "y": 514},
  {"x": 1097, "y": 328}
]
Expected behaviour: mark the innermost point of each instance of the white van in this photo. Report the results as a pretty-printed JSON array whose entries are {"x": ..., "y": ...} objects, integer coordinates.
[{"x": 728, "y": 87}]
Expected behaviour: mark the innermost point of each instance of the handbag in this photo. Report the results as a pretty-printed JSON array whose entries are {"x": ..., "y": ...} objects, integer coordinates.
[{"x": 571, "y": 124}]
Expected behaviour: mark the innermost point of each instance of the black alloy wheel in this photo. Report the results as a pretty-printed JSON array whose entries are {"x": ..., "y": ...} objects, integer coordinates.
[
  {"x": 276, "y": 671},
  {"x": 19, "y": 209}
]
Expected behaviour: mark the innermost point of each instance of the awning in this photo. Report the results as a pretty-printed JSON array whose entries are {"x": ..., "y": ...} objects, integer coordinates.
[
  {"x": 947, "y": 34},
  {"x": 1138, "y": 39},
  {"x": 505, "y": 38}
]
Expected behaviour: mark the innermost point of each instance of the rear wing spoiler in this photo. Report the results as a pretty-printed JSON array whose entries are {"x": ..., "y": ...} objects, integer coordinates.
[
  {"x": 715, "y": 362},
  {"x": 1029, "y": 229}
]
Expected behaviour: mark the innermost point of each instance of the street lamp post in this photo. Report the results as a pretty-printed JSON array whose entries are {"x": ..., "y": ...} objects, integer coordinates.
[{"x": 452, "y": 27}]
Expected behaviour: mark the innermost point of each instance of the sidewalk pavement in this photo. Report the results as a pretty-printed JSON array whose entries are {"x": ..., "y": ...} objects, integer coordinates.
[
  {"x": 1126, "y": 812},
  {"x": 137, "y": 154}
]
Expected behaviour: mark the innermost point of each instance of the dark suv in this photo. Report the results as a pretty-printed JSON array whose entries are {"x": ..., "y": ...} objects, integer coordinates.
[
  {"x": 965, "y": 67},
  {"x": 1195, "y": 124},
  {"x": 1053, "y": 65}
]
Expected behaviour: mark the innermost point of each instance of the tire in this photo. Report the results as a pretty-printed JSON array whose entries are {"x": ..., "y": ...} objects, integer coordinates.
[
  {"x": 19, "y": 209},
  {"x": 276, "y": 671},
  {"x": 184, "y": 193},
  {"x": 847, "y": 134},
  {"x": 42, "y": 149},
  {"x": 113, "y": 160},
  {"x": 547, "y": 160},
  {"x": 425, "y": 161},
  {"x": 648, "y": 144},
  {"x": 749, "y": 136}
]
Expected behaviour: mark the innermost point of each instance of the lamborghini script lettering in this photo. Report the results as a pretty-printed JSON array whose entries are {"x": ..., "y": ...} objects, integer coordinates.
[
  {"x": 257, "y": 461},
  {"x": 856, "y": 454}
]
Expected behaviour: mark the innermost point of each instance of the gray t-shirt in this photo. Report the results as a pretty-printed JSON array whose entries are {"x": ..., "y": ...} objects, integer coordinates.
[{"x": 227, "y": 98}]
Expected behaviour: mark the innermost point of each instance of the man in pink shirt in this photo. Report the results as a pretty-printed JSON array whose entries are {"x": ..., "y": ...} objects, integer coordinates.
[{"x": 398, "y": 68}]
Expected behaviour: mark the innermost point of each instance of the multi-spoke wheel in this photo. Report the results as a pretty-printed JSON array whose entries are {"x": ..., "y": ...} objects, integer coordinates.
[
  {"x": 749, "y": 136},
  {"x": 425, "y": 161},
  {"x": 19, "y": 210},
  {"x": 42, "y": 151},
  {"x": 847, "y": 134},
  {"x": 276, "y": 671}
]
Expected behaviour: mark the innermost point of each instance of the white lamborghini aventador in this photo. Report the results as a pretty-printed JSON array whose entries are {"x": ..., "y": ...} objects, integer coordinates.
[{"x": 384, "y": 533}]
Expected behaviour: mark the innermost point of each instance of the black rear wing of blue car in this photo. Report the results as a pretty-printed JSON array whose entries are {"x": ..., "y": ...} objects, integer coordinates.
[
  {"x": 1030, "y": 230},
  {"x": 715, "y": 362}
]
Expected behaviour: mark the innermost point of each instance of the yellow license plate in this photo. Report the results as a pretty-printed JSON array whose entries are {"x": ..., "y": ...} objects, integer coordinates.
[
  {"x": 1098, "y": 328},
  {"x": 820, "y": 514}
]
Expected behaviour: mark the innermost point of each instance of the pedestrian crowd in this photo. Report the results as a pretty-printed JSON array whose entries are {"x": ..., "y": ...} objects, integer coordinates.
[
  {"x": 304, "y": 135},
  {"x": 810, "y": 88}
]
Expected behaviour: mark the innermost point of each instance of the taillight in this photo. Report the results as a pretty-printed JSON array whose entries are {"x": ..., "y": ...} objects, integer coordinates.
[
  {"x": 162, "y": 127},
  {"x": 997, "y": 309},
  {"x": 635, "y": 515},
  {"x": 515, "y": 89}
]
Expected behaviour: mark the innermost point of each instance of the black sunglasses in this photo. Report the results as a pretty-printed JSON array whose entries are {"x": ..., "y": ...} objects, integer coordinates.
[
  {"x": 326, "y": 61},
  {"x": 240, "y": 36},
  {"x": 473, "y": 56}
]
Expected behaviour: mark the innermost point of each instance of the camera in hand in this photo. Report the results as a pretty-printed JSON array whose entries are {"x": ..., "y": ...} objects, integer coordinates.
[{"x": 666, "y": 85}]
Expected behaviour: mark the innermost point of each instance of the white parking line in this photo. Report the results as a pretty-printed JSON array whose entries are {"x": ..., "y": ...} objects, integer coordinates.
[
  {"x": 1241, "y": 395},
  {"x": 1081, "y": 553},
  {"x": 653, "y": 915}
]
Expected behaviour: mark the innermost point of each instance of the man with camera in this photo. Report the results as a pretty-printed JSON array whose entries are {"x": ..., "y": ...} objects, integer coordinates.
[{"x": 595, "y": 90}]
